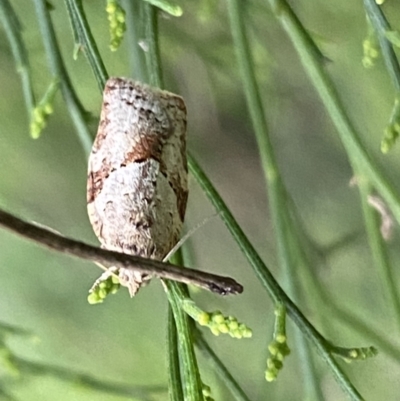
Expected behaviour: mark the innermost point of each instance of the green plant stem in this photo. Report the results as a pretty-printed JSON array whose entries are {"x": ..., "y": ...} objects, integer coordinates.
[
  {"x": 381, "y": 26},
  {"x": 86, "y": 40},
  {"x": 261, "y": 270},
  {"x": 35, "y": 368},
  {"x": 12, "y": 29},
  {"x": 134, "y": 23},
  {"x": 342, "y": 317},
  {"x": 213, "y": 359},
  {"x": 269, "y": 282},
  {"x": 192, "y": 385},
  {"x": 276, "y": 191},
  {"x": 220, "y": 368},
  {"x": 190, "y": 374},
  {"x": 379, "y": 252},
  {"x": 174, "y": 377},
  {"x": 346, "y": 317},
  {"x": 153, "y": 53},
  {"x": 278, "y": 204},
  {"x": 323, "y": 85},
  {"x": 349, "y": 318},
  {"x": 58, "y": 69}
]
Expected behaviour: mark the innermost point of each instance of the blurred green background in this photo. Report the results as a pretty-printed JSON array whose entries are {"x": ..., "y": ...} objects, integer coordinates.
[{"x": 123, "y": 340}]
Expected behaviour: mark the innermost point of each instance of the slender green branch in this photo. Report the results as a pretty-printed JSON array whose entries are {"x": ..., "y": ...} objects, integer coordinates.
[
  {"x": 262, "y": 272},
  {"x": 12, "y": 29},
  {"x": 190, "y": 374},
  {"x": 380, "y": 29},
  {"x": 35, "y": 368},
  {"x": 84, "y": 35},
  {"x": 381, "y": 25},
  {"x": 74, "y": 27},
  {"x": 269, "y": 282},
  {"x": 276, "y": 191},
  {"x": 58, "y": 69},
  {"x": 220, "y": 368},
  {"x": 278, "y": 205},
  {"x": 345, "y": 317},
  {"x": 349, "y": 318},
  {"x": 192, "y": 385},
  {"x": 135, "y": 33},
  {"x": 323, "y": 85},
  {"x": 379, "y": 252},
  {"x": 153, "y": 50},
  {"x": 174, "y": 376}
]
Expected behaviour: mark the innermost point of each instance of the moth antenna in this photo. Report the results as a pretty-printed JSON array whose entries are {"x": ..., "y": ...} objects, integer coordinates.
[{"x": 188, "y": 235}]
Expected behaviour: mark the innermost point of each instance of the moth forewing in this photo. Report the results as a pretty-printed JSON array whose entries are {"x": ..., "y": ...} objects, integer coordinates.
[{"x": 137, "y": 179}]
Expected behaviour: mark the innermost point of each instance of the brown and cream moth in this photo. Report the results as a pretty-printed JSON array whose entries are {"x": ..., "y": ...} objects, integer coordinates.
[{"x": 137, "y": 180}]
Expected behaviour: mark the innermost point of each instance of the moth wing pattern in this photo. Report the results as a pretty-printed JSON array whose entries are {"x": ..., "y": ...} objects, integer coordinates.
[{"x": 137, "y": 178}]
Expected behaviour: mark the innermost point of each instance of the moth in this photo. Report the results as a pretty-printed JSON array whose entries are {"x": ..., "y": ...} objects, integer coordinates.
[{"x": 137, "y": 185}]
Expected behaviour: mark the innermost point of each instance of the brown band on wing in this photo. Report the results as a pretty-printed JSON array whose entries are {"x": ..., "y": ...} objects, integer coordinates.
[
  {"x": 149, "y": 146},
  {"x": 96, "y": 181}
]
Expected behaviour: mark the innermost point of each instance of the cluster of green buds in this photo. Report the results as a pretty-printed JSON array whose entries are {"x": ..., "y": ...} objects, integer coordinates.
[
  {"x": 390, "y": 136},
  {"x": 354, "y": 354},
  {"x": 216, "y": 321},
  {"x": 117, "y": 25},
  {"x": 392, "y": 131},
  {"x": 370, "y": 51},
  {"x": 278, "y": 348},
  {"x": 220, "y": 324},
  {"x": 102, "y": 288},
  {"x": 370, "y": 47},
  {"x": 40, "y": 114}
]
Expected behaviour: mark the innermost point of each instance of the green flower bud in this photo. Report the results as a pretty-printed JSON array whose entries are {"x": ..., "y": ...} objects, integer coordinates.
[
  {"x": 270, "y": 376},
  {"x": 223, "y": 328},
  {"x": 233, "y": 325},
  {"x": 273, "y": 348},
  {"x": 93, "y": 298},
  {"x": 102, "y": 293},
  {"x": 203, "y": 319},
  {"x": 111, "y": 7},
  {"x": 247, "y": 333},
  {"x": 218, "y": 318},
  {"x": 281, "y": 338},
  {"x": 206, "y": 390},
  {"x": 353, "y": 354},
  {"x": 215, "y": 331},
  {"x": 237, "y": 334},
  {"x": 117, "y": 25},
  {"x": 103, "y": 284},
  {"x": 114, "y": 288},
  {"x": 48, "y": 109}
]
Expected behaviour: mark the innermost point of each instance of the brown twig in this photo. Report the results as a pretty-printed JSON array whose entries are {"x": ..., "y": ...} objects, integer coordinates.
[{"x": 49, "y": 239}]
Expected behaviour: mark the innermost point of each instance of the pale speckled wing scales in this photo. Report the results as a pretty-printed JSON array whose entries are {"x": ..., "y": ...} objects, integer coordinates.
[{"x": 137, "y": 178}]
